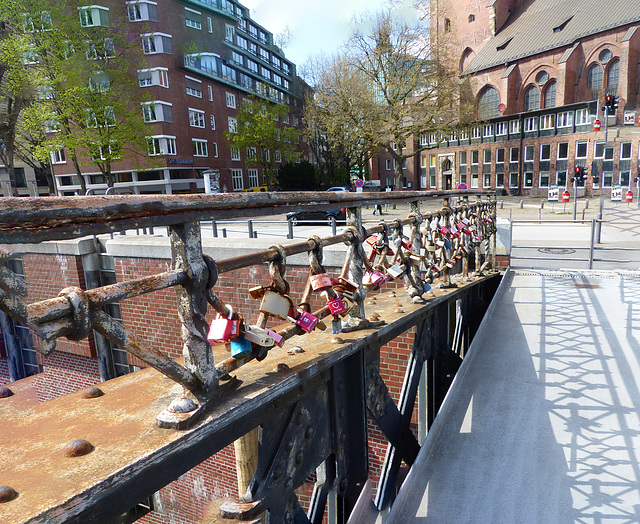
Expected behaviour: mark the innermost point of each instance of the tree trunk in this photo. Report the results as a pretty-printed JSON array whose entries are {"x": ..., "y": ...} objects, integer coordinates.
[{"x": 76, "y": 165}]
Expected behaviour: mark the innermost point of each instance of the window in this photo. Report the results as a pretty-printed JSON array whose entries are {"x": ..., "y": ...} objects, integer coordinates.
[
  {"x": 252, "y": 66},
  {"x": 236, "y": 179},
  {"x": 263, "y": 37},
  {"x": 545, "y": 152},
  {"x": 196, "y": 118},
  {"x": 38, "y": 21},
  {"x": 237, "y": 58},
  {"x": 210, "y": 93},
  {"x": 158, "y": 76},
  {"x": 501, "y": 128},
  {"x": 142, "y": 10},
  {"x": 565, "y": 119},
  {"x": 233, "y": 124},
  {"x": 513, "y": 179},
  {"x": 193, "y": 18},
  {"x": 625, "y": 151},
  {"x": 544, "y": 179},
  {"x": 547, "y": 122},
  {"x": 194, "y": 86},
  {"x": 530, "y": 124},
  {"x": 528, "y": 153},
  {"x": 253, "y": 178},
  {"x": 264, "y": 54},
  {"x": 563, "y": 151},
  {"x": 486, "y": 156},
  {"x": 209, "y": 24},
  {"x": 57, "y": 156},
  {"x": 199, "y": 147},
  {"x": 105, "y": 152},
  {"x": 242, "y": 42},
  {"x": 514, "y": 155},
  {"x": 231, "y": 100},
  {"x": 157, "y": 112},
  {"x": 161, "y": 145},
  {"x": 581, "y": 149},
  {"x": 277, "y": 156},
  {"x": 253, "y": 48},
  {"x": 594, "y": 77},
  {"x": 514, "y": 127},
  {"x": 488, "y": 103},
  {"x": 561, "y": 178},
  {"x": 235, "y": 153},
  {"x": 155, "y": 43},
  {"x": 582, "y": 116},
  {"x": 471, "y": 18},
  {"x": 252, "y": 153},
  {"x": 265, "y": 72},
  {"x": 613, "y": 77},
  {"x": 214, "y": 149},
  {"x": 99, "y": 82},
  {"x": 229, "y": 33},
  {"x": 487, "y": 130},
  {"x": 94, "y": 16},
  {"x": 532, "y": 99},
  {"x": 528, "y": 180},
  {"x": 550, "y": 96},
  {"x": 212, "y": 119},
  {"x": 475, "y": 132}
]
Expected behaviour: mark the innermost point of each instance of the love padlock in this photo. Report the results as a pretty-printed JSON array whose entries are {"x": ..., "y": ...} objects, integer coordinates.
[
  {"x": 258, "y": 335},
  {"x": 275, "y": 305},
  {"x": 240, "y": 347},
  {"x": 395, "y": 271},
  {"x": 407, "y": 245},
  {"x": 447, "y": 244},
  {"x": 223, "y": 329},
  {"x": 456, "y": 234},
  {"x": 436, "y": 268},
  {"x": 426, "y": 287},
  {"x": 305, "y": 320},
  {"x": 461, "y": 225},
  {"x": 257, "y": 292},
  {"x": 337, "y": 306},
  {"x": 320, "y": 282},
  {"x": 431, "y": 247},
  {"x": 374, "y": 277},
  {"x": 277, "y": 338},
  {"x": 450, "y": 263},
  {"x": 444, "y": 230}
]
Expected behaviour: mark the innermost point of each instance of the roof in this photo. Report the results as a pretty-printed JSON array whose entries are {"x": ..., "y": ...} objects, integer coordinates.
[{"x": 542, "y": 25}]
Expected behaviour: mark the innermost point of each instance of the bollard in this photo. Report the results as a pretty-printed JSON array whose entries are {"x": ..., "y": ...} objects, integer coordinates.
[
  {"x": 522, "y": 204},
  {"x": 255, "y": 234},
  {"x": 250, "y": 227},
  {"x": 542, "y": 204},
  {"x": 501, "y": 204},
  {"x": 214, "y": 228},
  {"x": 224, "y": 232},
  {"x": 290, "y": 228}
]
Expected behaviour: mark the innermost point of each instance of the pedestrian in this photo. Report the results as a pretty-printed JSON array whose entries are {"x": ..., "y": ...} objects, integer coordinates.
[{"x": 377, "y": 209}]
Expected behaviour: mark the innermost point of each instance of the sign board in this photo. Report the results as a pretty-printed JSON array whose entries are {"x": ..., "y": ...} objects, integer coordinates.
[
  {"x": 211, "y": 181},
  {"x": 616, "y": 193},
  {"x": 388, "y": 189},
  {"x": 553, "y": 193},
  {"x": 629, "y": 118},
  {"x": 462, "y": 185},
  {"x": 359, "y": 189},
  {"x": 359, "y": 183}
]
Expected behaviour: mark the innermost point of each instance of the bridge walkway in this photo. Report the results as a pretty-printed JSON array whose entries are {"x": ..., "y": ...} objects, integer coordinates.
[{"x": 542, "y": 422}]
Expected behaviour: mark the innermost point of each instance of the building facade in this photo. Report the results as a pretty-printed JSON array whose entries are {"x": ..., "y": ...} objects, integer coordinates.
[
  {"x": 201, "y": 59},
  {"x": 537, "y": 74}
]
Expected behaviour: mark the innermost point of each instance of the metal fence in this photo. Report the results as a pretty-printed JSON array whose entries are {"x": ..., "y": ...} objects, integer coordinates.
[{"x": 312, "y": 420}]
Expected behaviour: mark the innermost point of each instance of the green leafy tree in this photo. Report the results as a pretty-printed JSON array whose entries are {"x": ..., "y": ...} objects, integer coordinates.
[
  {"x": 264, "y": 137},
  {"x": 80, "y": 72}
]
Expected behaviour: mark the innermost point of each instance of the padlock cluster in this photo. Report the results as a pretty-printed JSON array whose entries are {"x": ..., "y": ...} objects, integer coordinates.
[{"x": 340, "y": 295}]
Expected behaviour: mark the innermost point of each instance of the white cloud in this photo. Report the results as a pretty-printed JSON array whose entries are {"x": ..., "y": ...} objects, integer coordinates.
[{"x": 315, "y": 27}]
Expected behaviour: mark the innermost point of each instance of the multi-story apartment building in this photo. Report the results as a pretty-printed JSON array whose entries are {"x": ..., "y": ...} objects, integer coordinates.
[
  {"x": 538, "y": 73},
  {"x": 202, "y": 58}
]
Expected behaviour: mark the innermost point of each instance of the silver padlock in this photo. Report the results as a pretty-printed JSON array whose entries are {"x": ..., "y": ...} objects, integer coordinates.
[
  {"x": 395, "y": 271},
  {"x": 259, "y": 336}
]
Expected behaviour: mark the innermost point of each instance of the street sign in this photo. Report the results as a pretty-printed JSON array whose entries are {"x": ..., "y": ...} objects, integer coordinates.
[
  {"x": 616, "y": 193},
  {"x": 359, "y": 183},
  {"x": 462, "y": 185},
  {"x": 553, "y": 193},
  {"x": 211, "y": 181}
]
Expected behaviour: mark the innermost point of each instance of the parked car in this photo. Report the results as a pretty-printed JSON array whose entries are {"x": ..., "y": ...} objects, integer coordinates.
[{"x": 325, "y": 216}]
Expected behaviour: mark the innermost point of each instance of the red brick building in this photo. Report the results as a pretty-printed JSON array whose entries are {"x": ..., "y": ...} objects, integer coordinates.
[
  {"x": 537, "y": 73},
  {"x": 202, "y": 58}
]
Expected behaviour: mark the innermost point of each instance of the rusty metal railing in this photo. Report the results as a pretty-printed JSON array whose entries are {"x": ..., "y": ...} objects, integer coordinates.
[{"x": 452, "y": 239}]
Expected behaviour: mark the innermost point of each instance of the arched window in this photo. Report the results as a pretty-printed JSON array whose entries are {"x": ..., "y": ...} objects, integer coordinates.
[
  {"x": 594, "y": 77},
  {"x": 488, "y": 103},
  {"x": 466, "y": 58},
  {"x": 532, "y": 99},
  {"x": 613, "y": 75},
  {"x": 447, "y": 25},
  {"x": 550, "y": 96}
]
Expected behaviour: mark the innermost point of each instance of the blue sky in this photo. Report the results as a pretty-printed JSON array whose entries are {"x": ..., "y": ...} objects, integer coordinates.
[{"x": 318, "y": 26}]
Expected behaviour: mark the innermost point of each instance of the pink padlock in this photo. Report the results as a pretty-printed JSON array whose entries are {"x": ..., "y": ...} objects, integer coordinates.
[
  {"x": 444, "y": 230},
  {"x": 377, "y": 277},
  {"x": 306, "y": 321},
  {"x": 460, "y": 225},
  {"x": 436, "y": 268},
  {"x": 456, "y": 234},
  {"x": 223, "y": 329},
  {"x": 407, "y": 245},
  {"x": 336, "y": 306},
  {"x": 320, "y": 281},
  {"x": 278, "y": 339}
]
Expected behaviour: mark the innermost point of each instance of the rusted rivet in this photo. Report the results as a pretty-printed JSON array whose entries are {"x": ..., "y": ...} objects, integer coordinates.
[
  {"x": 5, "y": 392},
  {"x": 399, "y": 310},
  {"x": 299, "y": 418},
  {"x": 289, "y": 482},
  {"x": 92, "y": 392},
  {"x": 295, "y": 349},
  {"x": 299, "y": 458},
  {"x": 77, "y": 448},
  {"x": 337, "y": 340},
  {"x": 282, "y": 367},
  {"x": 308, "y": 433},
  {"x": 392, "y": 294},
  {"x": 182, "y": 405},
  {"x": 7, "y": 494},
  {"x": 277, "y": 473},
  {"x": 374, "y": 316}
]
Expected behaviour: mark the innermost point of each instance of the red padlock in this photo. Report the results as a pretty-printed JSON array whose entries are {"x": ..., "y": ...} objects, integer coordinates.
[
  {"x": 407, "y": 245},
  {"x": 374, "y": 277},
  {"x": 336, "y": 306},
  {"x": 444, "y": 230},
  {"x": 306, "y": 321},
  {"x": 223, "y": 329},
  {"x": 320, "y": 282}
]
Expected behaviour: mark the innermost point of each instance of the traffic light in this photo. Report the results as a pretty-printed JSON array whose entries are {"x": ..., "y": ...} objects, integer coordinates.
[
  {"x": 610, "y": 104},
  {"x": 577, "y": 173}
]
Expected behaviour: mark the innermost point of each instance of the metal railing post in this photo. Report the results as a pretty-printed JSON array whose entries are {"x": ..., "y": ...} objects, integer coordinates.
[
  {"x": 250, "y": 227},
  {"x": 600, "y": 214},
  {"x": 214, "y": 228},
  {"x": 591, "y": 247},
  {"x": 290, "y": 229}
]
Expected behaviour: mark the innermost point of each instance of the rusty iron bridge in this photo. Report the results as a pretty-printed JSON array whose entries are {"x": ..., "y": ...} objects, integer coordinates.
[{"x": 90, "y": 456}]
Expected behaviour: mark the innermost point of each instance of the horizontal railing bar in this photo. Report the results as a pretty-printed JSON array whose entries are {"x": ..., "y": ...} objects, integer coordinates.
[
  {"x": 28, "y": 220},
  {"x": 555, "y": 221}
]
